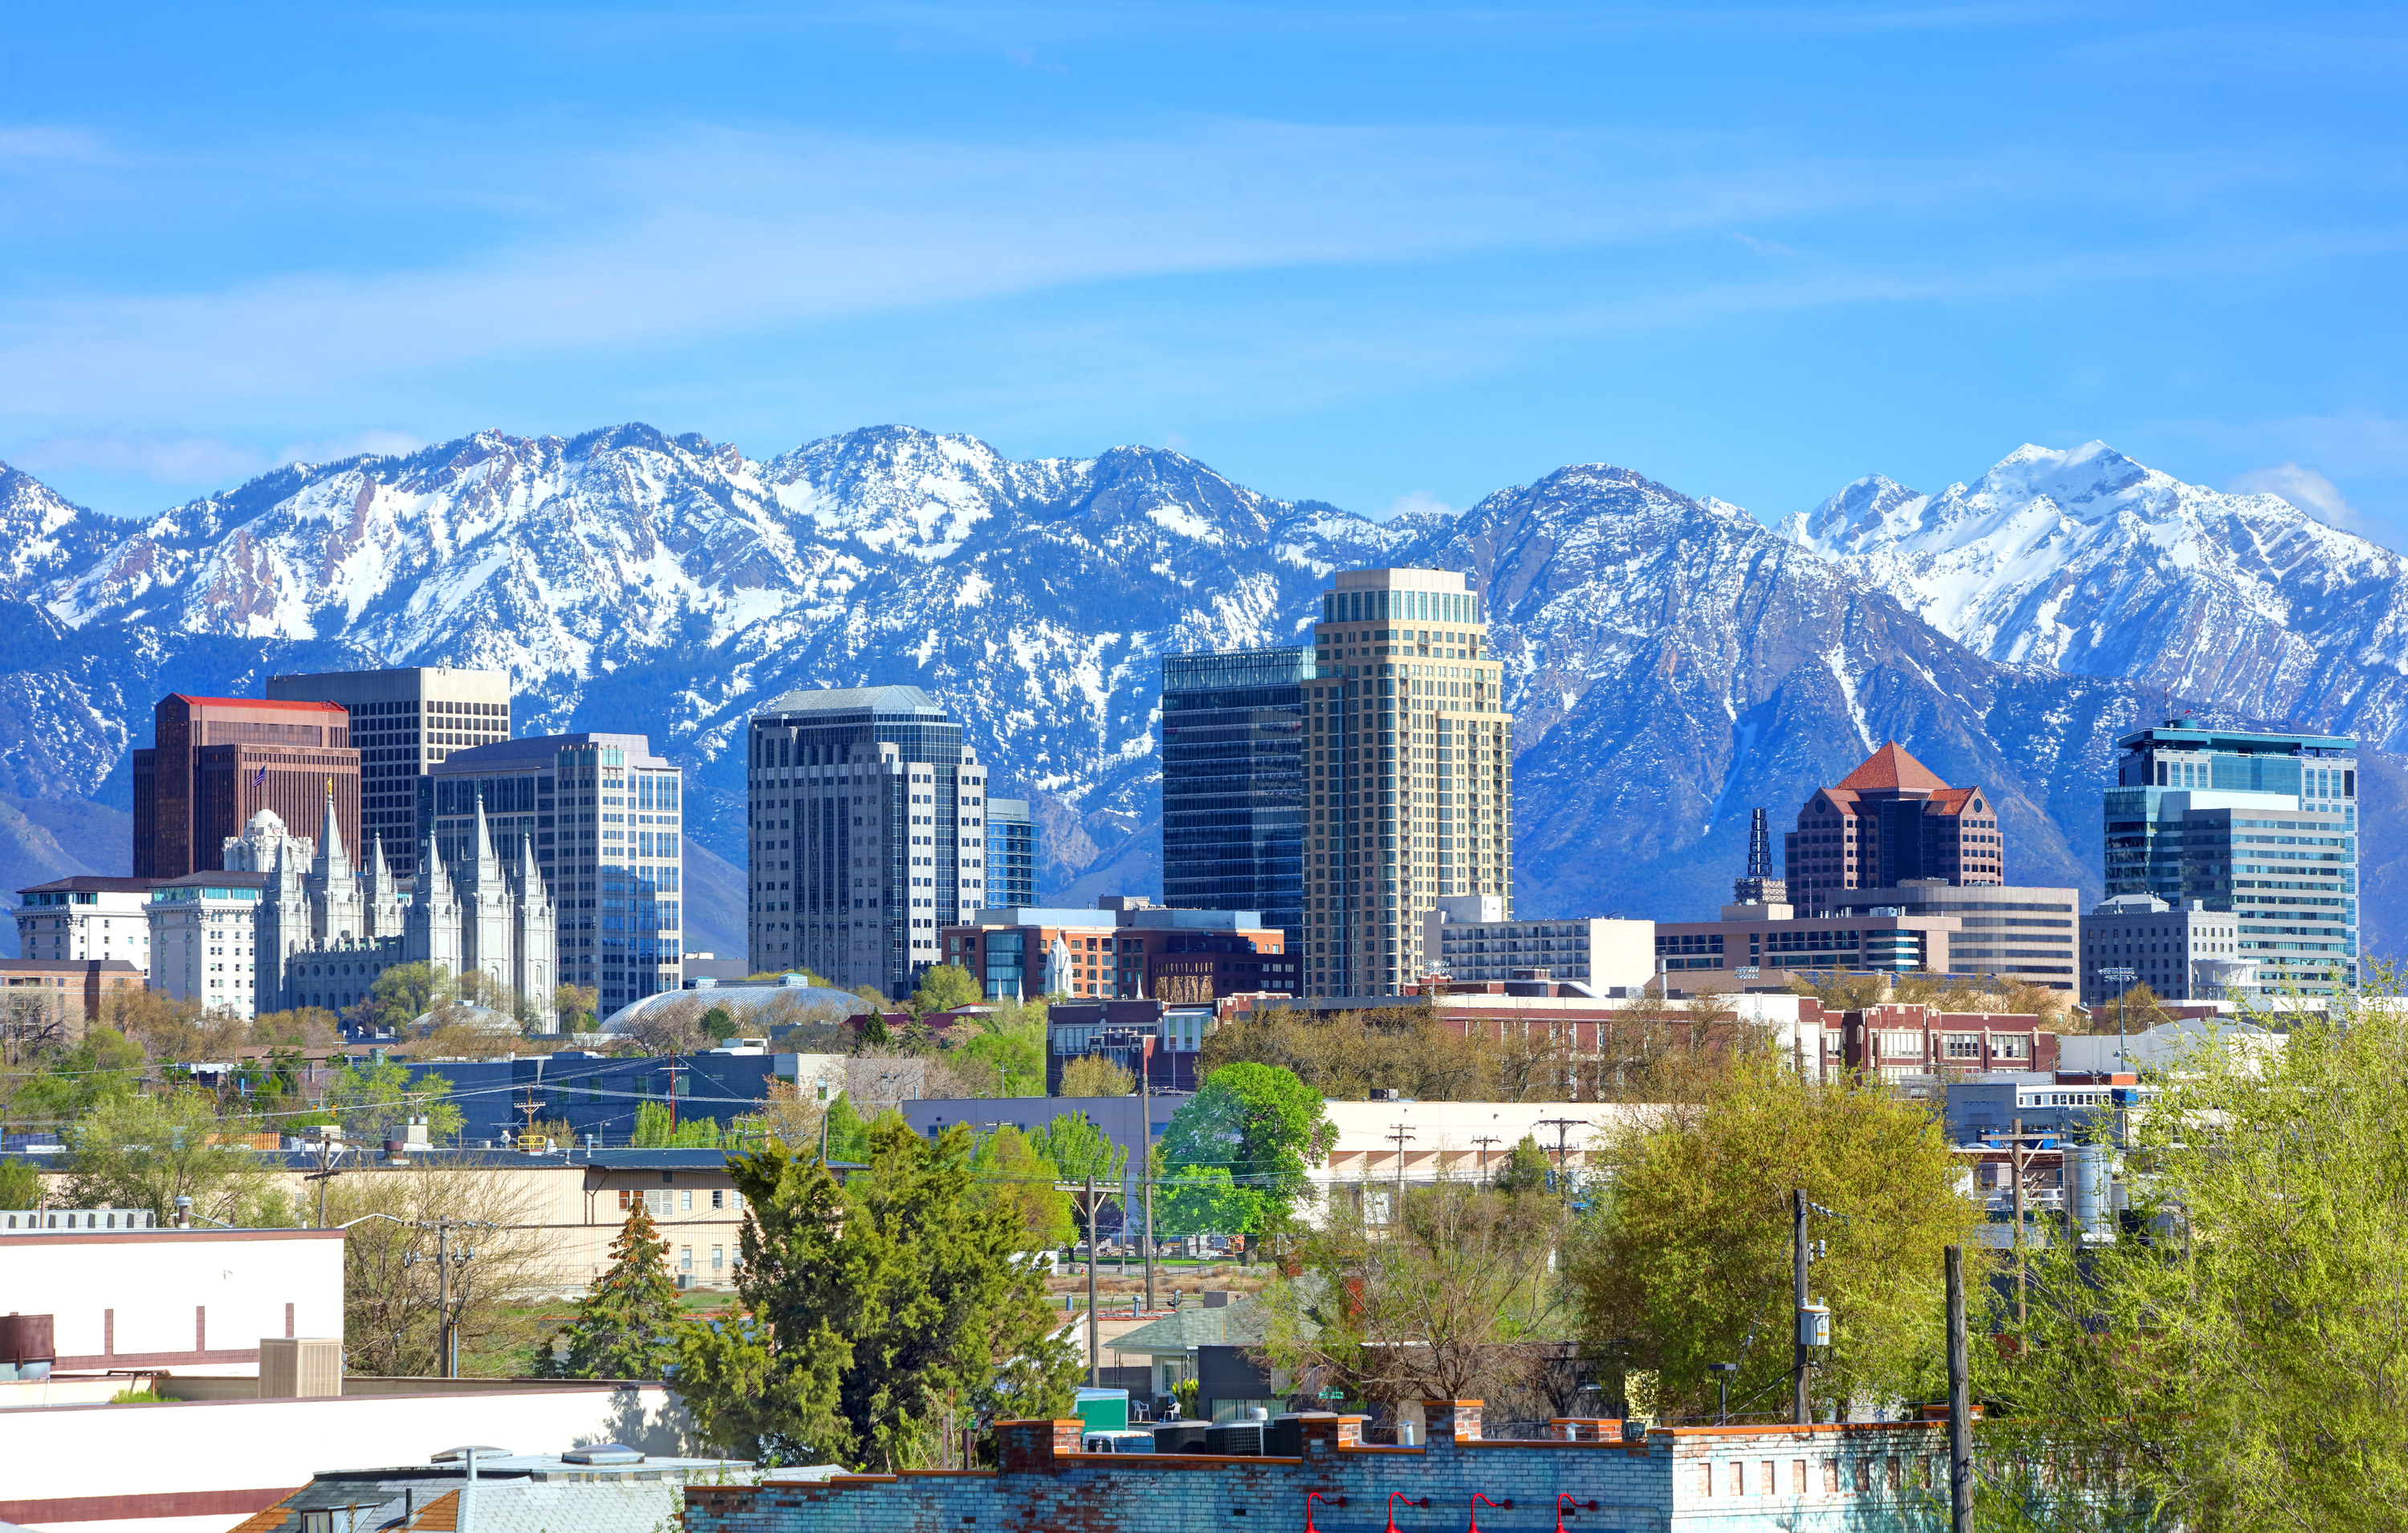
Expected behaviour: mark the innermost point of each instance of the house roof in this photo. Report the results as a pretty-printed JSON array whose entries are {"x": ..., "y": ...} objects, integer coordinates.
[
  {"x": 1241, "y": 1324},
  {"x": 1891, "y": 768}
]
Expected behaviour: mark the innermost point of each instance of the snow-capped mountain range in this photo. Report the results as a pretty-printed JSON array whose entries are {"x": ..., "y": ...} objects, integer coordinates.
[{"x": 1674, "y": 662}]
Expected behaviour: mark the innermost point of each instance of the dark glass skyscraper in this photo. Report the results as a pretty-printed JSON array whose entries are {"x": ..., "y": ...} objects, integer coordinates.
[
  {"x": 1011, "y": 854},
  {"x": 1233, "y": 784}
]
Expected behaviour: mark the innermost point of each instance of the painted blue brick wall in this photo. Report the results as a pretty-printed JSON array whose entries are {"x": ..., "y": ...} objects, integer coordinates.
[{"x": 1695, "y": 1480}]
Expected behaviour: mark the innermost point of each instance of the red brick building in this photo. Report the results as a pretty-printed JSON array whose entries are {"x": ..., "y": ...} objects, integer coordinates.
[
  {"x": 218, "y": 761},
  {"x": 1889, "y": 821},
  {"x": 66, "y": 992}
]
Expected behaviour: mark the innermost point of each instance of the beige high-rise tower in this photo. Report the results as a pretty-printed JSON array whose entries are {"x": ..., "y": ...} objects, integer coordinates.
[{"x": 1409, "y": 774}]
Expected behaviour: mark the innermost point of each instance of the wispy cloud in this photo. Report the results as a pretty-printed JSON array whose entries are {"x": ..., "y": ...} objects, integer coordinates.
[
  {"x": 2310, "y": 491},
  {"x": 717, "y": 233}
]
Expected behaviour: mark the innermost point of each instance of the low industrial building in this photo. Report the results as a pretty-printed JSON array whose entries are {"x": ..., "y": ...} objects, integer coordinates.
[{"x": 123, "y": 1295}]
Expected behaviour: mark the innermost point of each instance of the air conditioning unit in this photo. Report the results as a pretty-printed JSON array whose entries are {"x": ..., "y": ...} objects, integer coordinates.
[{"x": 300, "y": 1367}]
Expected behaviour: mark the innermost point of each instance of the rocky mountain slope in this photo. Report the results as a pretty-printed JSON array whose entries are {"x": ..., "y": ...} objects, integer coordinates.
[
  {"x": 1674, "y": 662},
  {"x": 2090, "y": 563}
]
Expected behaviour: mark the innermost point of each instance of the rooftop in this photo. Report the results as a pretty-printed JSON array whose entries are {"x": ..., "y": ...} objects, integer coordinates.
[
  {"x": 615, "y": 1490},
  {"x": 538, "y": 749},
  {"x": 902, "y": 700},
  {"x": 90, "y": 884},
  {"x": 1893, "y": 769},
  {"x": 270, "y": 702}
]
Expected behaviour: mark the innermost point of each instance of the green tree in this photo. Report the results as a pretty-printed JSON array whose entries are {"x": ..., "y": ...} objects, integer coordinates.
[
  {"x": 719, "y": 1023},
  {"x": 882, "y": 1314},
  {"x": 2232, "y": 1359},
  {"x": 375, "y": 1102},
  {"x": 106, "y": 1065},
  {"x": 1010, "y": 1042},
  {"x": 944, "y": 987},
  {"x": 1687, "y": 1261},
  {"x": 1455, "y": 1298},
  {"x": 146, "y": 1152},
  {"x": 625, "y": 1327},
  {"x": 1265, "y": 1129},
  {"x": 20, "y": 1185},
  {"x": 1077, "y": 1148},
  {"x": 1013, "y": 1169},
  {"x": 654, "y": 1130},
  {"x": 1093, "y": 1075},
  {"x": 406, "y": 992},
  {"x": 848, "y": 1136},
  {"x": 1526, "y": 1167}
]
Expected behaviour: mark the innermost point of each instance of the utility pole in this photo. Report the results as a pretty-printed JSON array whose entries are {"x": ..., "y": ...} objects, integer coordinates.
[
  {"x": 1484, "y": 1141},
  {"x": 1094, "y": 1348},
  {"x": 673, "y": 1075},
  {"x": 2015, "y": 1167},
  {"x": 1563, "y": 1127},
  {"x": 449, "y": 1359},
  {"x": 1960, "y": 1403},
  {"x": 1401, "y": 1134},
  {"x": 1145, "y": 1155},
  {"x": 1801, "y": 1408}
]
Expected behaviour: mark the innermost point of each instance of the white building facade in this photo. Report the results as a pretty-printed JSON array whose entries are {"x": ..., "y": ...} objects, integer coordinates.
[
  {"x": 1467, "y": 937},
  {"x": 86, "y": 916}
]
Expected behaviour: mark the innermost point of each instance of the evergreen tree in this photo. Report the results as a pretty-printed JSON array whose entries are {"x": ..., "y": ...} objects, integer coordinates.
[
  {"x": 625, "y": 1325},
  {"x": 880, "y": 1313}
]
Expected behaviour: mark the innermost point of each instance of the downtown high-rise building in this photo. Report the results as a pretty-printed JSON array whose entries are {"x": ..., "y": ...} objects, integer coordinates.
[
  {"x": 1891, "y": 821},
  {"x": 2262, "y": 825},
  {"x": 1234, "y": 789},
  {"x": 1408, "y": 760},
  {"x": 866, "y": 835},
  {"x": 1011, "y": 871},
  {"x": 402, "y": 721},
  {"x": 599, "y": 821},
  {"x": 215, "y": 762}
]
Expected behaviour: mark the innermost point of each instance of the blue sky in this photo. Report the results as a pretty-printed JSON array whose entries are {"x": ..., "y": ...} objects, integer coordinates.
[{"x": 1375, "y": 255}]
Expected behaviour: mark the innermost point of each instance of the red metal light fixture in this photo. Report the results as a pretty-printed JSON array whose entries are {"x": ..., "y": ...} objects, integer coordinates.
[
  {"x": 1564, "y": 1508},
  {"x": 1313, "y": 1495}
]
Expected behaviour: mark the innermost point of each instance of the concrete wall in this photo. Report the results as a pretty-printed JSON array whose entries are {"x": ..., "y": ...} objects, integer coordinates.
[
  {"x": 205, "y": 1466},
  {"x": 175, "y": 1298}
]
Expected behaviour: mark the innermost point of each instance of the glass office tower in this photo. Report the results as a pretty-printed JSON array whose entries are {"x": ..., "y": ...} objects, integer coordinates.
[
  {"x": 1233, "y": 794},
  {"x": 2262, "y": 825},
  {"x": 1011, "y": 854}
]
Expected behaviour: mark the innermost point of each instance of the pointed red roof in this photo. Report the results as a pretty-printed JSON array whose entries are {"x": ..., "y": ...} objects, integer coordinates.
[{"x": 1891, "y": 768}]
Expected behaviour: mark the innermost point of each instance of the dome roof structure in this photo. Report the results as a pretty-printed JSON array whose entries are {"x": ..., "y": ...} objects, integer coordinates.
[{"x": 756, "y": 1008}]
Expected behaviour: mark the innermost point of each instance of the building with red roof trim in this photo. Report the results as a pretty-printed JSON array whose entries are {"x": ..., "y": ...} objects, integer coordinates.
[{"x": 1891, "y": 821}]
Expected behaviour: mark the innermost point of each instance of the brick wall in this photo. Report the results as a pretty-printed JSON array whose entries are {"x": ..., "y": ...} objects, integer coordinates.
[{"x": 1709, "y": 1479}]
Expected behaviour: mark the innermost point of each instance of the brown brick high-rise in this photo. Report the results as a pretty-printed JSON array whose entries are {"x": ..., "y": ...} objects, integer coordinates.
[
  {"x": 218, "y": 761},
  {"x": 1889, "y": 821}
]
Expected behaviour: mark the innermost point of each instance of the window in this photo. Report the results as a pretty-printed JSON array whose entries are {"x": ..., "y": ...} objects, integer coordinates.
[
  {"x": 718, "y": 1197},
  {"x": 686, "y": 1259},
  {"x": 685, "y": 1200},
  {"x": 718, "y": 1259},
  {"x": 1961, "y": 1045}
]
